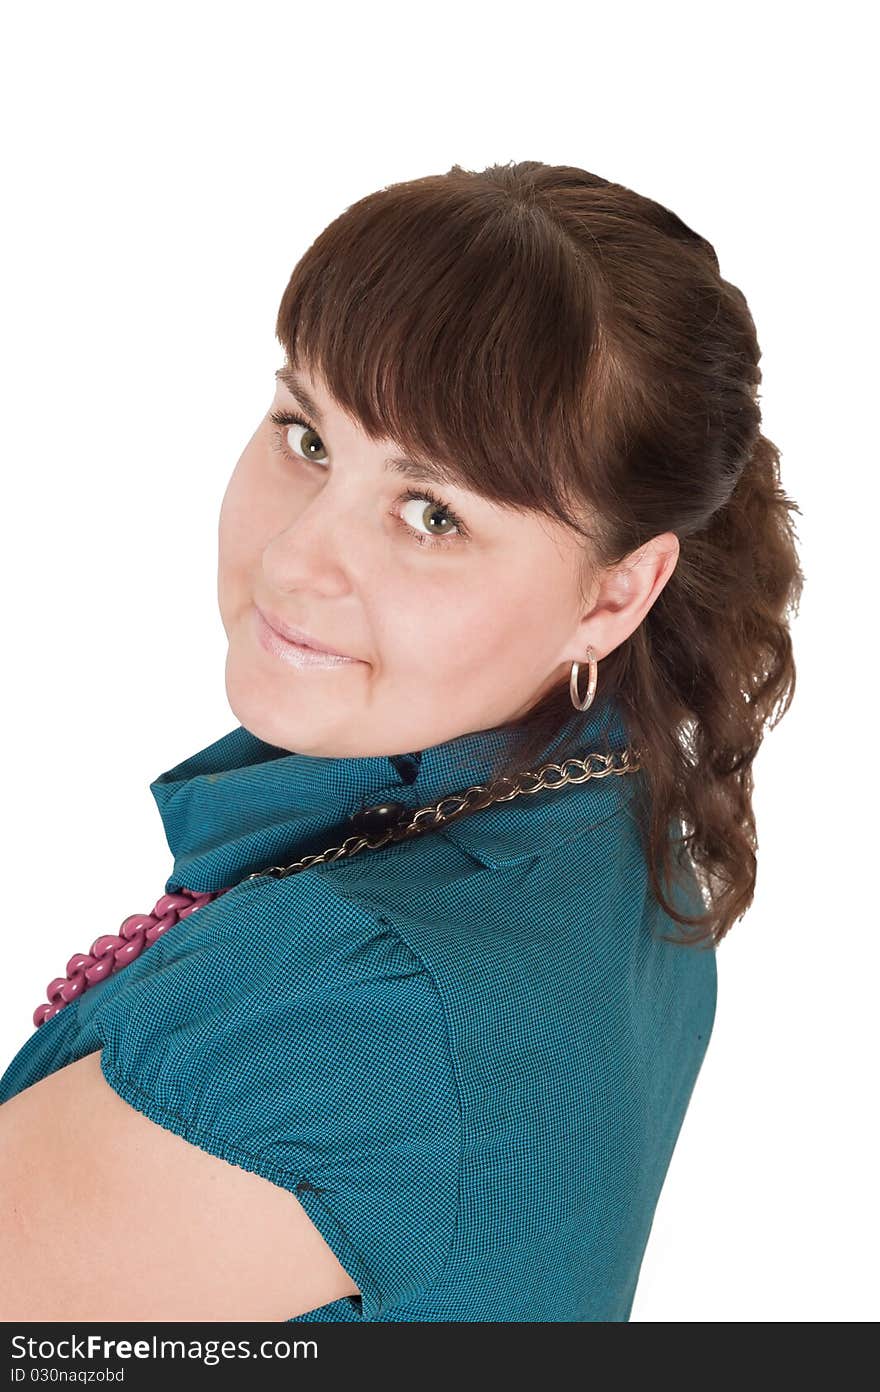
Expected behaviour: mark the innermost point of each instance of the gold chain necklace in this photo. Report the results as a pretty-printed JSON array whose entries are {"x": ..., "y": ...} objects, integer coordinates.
[
  {"x": 399, "y": 824},
  {"x": 375, "y": 827}
]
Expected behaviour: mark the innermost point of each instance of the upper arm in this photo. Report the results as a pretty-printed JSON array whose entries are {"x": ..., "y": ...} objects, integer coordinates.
[
  {"x": 279, "y": 1069},
  {"x": 107, "y": 1215}
]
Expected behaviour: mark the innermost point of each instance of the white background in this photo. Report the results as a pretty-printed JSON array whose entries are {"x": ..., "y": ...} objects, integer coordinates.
[{"x": 164, "y": 167}]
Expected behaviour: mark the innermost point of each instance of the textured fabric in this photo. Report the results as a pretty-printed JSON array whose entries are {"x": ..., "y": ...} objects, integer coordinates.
[{"x": 469, "y": 1055}]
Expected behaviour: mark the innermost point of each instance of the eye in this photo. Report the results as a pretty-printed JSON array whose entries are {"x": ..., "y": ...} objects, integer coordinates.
[
  {"x": 285, "y": 419},
  {"x": 313, "y": 452}
]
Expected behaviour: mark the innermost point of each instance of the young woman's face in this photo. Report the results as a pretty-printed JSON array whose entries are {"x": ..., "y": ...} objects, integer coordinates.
[{"x": 452, "y": 628}]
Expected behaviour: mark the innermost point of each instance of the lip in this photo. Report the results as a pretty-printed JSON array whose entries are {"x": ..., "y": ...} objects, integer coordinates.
[
  {"x": 294, "y": 645},
  {"x": 298, "y": 635}
]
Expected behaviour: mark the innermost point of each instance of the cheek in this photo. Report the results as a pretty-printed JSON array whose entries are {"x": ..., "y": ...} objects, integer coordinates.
[
  {"x": 233, "y": 513},
  {"x": 449, "y": 627},
  {"x": 509, "y": 619},
  {"x": 246, "y": 514}
]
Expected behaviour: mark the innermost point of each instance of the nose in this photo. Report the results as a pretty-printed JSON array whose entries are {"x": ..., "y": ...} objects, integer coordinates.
[{"x": 315, "y": 549}]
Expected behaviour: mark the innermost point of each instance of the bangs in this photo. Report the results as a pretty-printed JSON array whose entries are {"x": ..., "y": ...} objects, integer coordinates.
[{"x": 458, "y": 321}]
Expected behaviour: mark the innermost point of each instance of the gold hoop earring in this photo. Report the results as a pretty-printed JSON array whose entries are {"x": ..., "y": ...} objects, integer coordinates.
[{"x": 573, "y": 682}]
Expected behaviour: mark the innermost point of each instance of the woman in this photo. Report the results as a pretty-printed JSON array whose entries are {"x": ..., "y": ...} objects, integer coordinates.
[{"x": 437, "y": 1071}]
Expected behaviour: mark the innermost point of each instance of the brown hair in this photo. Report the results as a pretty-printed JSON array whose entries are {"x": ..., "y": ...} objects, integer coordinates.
[{"x": 567, "y": 346}]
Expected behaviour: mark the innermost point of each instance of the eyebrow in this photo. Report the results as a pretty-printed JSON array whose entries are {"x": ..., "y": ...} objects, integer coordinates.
[{"x": 426, "y": 472}]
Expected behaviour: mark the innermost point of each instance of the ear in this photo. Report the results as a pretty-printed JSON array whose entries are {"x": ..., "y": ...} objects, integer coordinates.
[{"x": 622, "y": 596}]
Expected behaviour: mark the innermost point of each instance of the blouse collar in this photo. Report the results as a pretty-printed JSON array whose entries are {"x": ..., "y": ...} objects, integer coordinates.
[{"x": 240, "y": 805}]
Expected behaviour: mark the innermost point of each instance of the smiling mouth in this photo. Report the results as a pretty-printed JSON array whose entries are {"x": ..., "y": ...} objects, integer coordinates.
[
  {"x": 297, "y": 635},
  {"x": 296, "y": 654}
]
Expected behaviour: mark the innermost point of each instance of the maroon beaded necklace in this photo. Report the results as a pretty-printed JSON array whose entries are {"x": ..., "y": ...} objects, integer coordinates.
[
  {"x": 375, "y": 827},
  {"x": 112, "y": 951}
]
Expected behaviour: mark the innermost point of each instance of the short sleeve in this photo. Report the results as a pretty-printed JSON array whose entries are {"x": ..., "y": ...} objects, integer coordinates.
[{"x": 293, "y": 1032}]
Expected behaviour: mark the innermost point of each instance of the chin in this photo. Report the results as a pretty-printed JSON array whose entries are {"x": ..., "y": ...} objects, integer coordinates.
[
  {"x": 257, "y": 708},
  {"x": 249, "y": 700}
]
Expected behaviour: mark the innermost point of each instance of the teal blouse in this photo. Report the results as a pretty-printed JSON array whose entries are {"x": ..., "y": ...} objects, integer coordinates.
[{"x": 468, "y": 1054}]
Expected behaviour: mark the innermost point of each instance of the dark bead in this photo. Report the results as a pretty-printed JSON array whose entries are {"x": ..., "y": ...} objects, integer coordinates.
[{"x": 372, "y": 821}]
